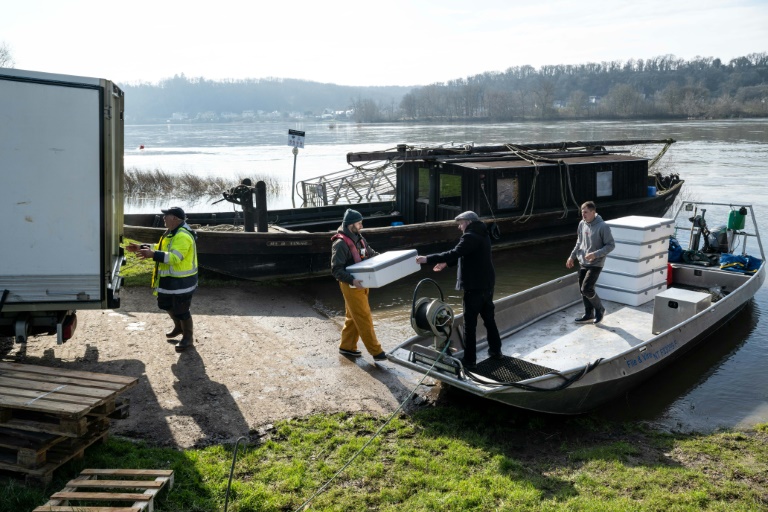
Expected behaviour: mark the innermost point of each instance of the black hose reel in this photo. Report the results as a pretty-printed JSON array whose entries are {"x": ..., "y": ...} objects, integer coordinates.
[{"x": 432, "y": 317}]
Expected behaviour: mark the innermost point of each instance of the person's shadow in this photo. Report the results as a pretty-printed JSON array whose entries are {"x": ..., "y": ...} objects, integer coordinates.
[{"x": 210, "y": 404}]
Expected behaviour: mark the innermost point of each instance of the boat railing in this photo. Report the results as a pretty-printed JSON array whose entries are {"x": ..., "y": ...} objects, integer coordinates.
[
  {"x": 698, "y": 227},
  {"x": 350, "y": 186}
]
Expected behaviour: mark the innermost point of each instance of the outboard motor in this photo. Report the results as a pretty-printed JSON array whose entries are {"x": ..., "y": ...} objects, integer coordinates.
[
  {"x": 718, "y": 239},
  {"x": 698, "y": 228}
]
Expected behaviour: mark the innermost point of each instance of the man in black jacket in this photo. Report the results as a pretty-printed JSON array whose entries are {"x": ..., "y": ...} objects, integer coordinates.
[{"x": 477, "y": 277}]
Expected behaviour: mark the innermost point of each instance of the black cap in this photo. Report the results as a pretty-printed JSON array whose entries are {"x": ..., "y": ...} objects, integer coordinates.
[
  {"x": 176, "y": 212},
  {"x": 351, "y": 216}
]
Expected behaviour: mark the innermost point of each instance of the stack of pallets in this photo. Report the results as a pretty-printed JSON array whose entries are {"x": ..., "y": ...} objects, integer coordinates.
[
  {"x": 49, "y": 416},
  {"x": 87, "y": 493}
]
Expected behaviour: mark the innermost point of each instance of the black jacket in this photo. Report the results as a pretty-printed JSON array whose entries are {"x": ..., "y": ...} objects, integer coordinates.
[{"x": 473, "y": 254}]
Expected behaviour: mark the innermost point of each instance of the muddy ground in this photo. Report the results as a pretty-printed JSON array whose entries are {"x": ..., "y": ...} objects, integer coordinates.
[{"x": 262, "y": 354}]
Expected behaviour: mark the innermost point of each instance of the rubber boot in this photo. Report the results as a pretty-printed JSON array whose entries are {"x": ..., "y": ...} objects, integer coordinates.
[
  {"x": 176, "y": 328},
  {"x": 588, "y": 312},
  {"x": 599, "y": 309},
  {"x": 188, "y": 338}
]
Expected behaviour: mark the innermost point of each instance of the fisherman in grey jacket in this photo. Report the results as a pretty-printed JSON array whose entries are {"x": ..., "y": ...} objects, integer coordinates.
[{"x": 594, "y": 242}]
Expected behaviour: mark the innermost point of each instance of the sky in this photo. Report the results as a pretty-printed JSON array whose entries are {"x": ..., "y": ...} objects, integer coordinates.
[{"x": 365, "y": 42}]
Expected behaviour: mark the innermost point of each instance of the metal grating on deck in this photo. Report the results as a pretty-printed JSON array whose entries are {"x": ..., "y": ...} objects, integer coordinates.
[{"x": 510, "y": 369}]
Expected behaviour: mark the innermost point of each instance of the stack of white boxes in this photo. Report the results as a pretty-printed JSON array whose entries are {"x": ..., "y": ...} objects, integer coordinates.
[{"x": 636, "y": 270}]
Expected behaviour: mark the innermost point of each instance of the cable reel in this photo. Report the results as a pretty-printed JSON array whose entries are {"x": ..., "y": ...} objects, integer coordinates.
[{"x": 432, "y": 317}]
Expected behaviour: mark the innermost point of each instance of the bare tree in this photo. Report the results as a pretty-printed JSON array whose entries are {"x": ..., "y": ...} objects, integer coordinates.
[
  {"x": 622, "y": 101},
  {"x": 578, "y": 103},
  {"x": 6, "y": 59}
]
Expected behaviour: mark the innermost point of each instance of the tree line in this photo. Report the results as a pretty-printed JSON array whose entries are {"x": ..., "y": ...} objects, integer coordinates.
[
  {"x": 660, "y": 87},
  {"x": 283, "y": 97}
]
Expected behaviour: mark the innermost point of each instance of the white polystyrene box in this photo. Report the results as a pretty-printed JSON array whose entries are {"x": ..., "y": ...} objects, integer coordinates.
[
  {"x": 641, "y": 229},
  {"x": 628, "y": 297},
  {"x": 633, "y": 282},
  {"x": 640, "y": 250},
  {"x": 386, "y": 267},
  {"x": 635, "y": 266}
]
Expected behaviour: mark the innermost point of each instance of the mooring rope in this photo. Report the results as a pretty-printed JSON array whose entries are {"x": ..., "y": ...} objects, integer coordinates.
[{"x": 661, "y": 153}]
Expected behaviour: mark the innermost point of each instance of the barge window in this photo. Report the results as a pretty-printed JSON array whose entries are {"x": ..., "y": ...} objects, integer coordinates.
[
  {"x": 507, "y": 193},
  {"x": 604, "y": 183},
  {"x": 423, "y": 183},
  {"x": 450, "y": 190}
]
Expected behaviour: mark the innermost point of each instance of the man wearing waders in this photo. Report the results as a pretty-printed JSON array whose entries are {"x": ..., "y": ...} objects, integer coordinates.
[
  {"x": 350, "y": 247},
  {"x": 593, "y": 243}
]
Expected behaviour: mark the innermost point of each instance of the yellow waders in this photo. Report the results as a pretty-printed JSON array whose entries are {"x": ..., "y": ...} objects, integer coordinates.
[{"x": 358, "y": 322}]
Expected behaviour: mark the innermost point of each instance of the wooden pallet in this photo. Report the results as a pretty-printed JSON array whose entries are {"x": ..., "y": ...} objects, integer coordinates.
[
  {"x": 87, "y": 490},
  {"x": 26, "y": 449},
  {"x": 56, "y": 455},
  {"x": 54, "y": 400}
]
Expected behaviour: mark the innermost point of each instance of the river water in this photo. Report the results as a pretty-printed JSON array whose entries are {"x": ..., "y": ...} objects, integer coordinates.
[{"x": 723, "y": 384}]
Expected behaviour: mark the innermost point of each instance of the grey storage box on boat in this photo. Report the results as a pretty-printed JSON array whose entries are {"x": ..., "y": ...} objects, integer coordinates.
[
  {"x": 387, "y": 267},
  {"x": 677, "y": 305}
]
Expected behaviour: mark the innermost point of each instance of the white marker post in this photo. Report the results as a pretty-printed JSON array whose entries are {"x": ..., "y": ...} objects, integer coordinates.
[{"x": 295, "y": 139}]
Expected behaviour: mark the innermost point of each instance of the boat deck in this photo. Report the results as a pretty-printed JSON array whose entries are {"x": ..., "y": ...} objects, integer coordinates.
[{"x": 558, "y": 342}]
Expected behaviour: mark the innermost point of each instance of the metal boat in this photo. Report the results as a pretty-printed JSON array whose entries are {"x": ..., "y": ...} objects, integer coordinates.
[{"x": 554, "y": 365}]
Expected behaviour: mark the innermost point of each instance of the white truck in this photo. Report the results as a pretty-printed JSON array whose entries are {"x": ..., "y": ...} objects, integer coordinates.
[{"x": 61, "y": 200}]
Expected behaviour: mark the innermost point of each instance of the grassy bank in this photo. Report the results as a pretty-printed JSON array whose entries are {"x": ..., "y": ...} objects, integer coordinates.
[
  {"x": 451, "y": 458},
  {"x": 463, "y": 454}
]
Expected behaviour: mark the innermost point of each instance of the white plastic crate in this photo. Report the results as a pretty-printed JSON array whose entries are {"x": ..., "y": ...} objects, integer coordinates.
[
  {"x": 635, "y": 266},
  {"x": 628, "y": 297},
  {"x": 387, "y": 267},
  {"x": 633, "y": 282},
  {"x": 640, "y": 249},
  {"x": 635, "y": 228}
]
